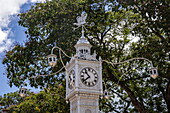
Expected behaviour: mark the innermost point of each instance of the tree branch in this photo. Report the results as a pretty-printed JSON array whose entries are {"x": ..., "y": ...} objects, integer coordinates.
[
  {"x": 139, "y": 106},
  {"x": 104, "y": 33},
  {"x": 145, "y": 76},
  {"x": 119, "y": 96}
]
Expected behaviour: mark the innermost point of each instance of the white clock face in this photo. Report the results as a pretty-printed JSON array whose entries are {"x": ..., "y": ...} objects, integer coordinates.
[
  {"x": 89, "y": 76},
  {"x": 71, "y": 79}
]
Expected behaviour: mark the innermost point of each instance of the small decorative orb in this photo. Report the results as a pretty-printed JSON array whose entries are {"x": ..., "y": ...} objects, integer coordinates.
[{"x": 52, "y": 60}]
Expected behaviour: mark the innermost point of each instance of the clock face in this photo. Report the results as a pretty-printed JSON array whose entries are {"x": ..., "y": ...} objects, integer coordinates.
[
  {"x": 71, "y": 79},
  {"x": 89, "y": 76}
]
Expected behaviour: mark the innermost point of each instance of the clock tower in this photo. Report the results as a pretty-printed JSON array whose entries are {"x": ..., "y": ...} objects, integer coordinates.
[{"x": 84, "y": 77}]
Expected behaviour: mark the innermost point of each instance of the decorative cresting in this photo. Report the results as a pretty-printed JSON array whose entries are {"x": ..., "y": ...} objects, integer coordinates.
[{"x": 83, "y": 46}]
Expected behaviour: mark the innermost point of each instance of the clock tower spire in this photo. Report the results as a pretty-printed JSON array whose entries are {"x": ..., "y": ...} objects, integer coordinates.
[{"x": 84, "y": 76}]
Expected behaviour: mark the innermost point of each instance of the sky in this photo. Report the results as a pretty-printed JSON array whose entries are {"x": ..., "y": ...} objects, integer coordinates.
[{"x": 10, "y": 33}]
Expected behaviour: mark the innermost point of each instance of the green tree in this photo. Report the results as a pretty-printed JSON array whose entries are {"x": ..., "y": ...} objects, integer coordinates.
[
  {"x": 49, "y": 100},
  {"x": 155, "y": 42},
  {"x": 131, "y": 87},
  {"x": 11, "y": 99}
]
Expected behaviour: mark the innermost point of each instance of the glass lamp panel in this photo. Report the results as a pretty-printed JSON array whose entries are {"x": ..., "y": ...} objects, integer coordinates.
[
  {"x": 22, "y": 92},
  {"x": 153, "y": 72},
  {"x": 52, "y": 60}
]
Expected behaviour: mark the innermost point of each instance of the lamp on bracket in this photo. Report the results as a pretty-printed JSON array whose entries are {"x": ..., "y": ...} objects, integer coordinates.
[
  {"x": 106, "y": 94},
  {"x": 153, "y": 72},
  {"x": 52, "y": 60},
  {"x": 23, "y": 92}
]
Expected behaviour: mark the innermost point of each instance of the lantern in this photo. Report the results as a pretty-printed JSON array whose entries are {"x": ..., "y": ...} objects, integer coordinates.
[
  {"x": 52, "y": 60},
  {"x": 106, "y": 94},
  {"x": 23, "y": 92},
  {"x": 153, "y": 72}
]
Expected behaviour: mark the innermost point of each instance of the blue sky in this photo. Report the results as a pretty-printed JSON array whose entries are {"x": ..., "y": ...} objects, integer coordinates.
[{"x": 11, "y": 32}]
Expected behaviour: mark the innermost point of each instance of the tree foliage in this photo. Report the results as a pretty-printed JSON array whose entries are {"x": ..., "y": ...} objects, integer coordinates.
[
  {"x": 10, "y": 99},
  {"x": 155, "y": 41},
  {"x": 115, "y": 26},
  {"x": 49, "y": 100}
]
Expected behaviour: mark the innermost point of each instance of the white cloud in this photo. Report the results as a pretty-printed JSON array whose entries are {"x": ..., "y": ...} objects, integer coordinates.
[
  {"x": 5, "y": 43},
  {"x": 3, "y": 35},
  {"x": 4, "y": 21},
  {"x": 7, "y": 9},
  {"x": 10, "y": 7}
]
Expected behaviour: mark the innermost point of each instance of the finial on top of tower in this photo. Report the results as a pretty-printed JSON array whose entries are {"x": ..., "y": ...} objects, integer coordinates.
[{"x": 81, "y": 20}]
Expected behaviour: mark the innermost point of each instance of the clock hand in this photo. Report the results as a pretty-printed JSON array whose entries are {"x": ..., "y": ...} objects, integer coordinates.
[
  {"x": 86, "y": 78},
  {"x": 87, "y": 73}
]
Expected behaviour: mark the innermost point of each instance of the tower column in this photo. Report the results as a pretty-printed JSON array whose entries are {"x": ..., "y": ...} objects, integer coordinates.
[{"x": 84, "y": 103}]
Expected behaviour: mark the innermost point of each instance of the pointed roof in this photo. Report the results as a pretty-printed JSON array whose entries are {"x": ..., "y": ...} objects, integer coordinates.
[{"x": 83, "y": 40}]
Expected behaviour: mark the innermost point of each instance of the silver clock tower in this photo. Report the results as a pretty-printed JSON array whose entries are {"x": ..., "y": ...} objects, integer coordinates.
[{"x": 83, "y": 76}]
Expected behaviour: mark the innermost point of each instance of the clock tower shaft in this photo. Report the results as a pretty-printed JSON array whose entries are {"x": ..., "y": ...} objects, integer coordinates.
[
  {"x": 84, "y": 103},
  {"x": 84, "y": 76}
]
